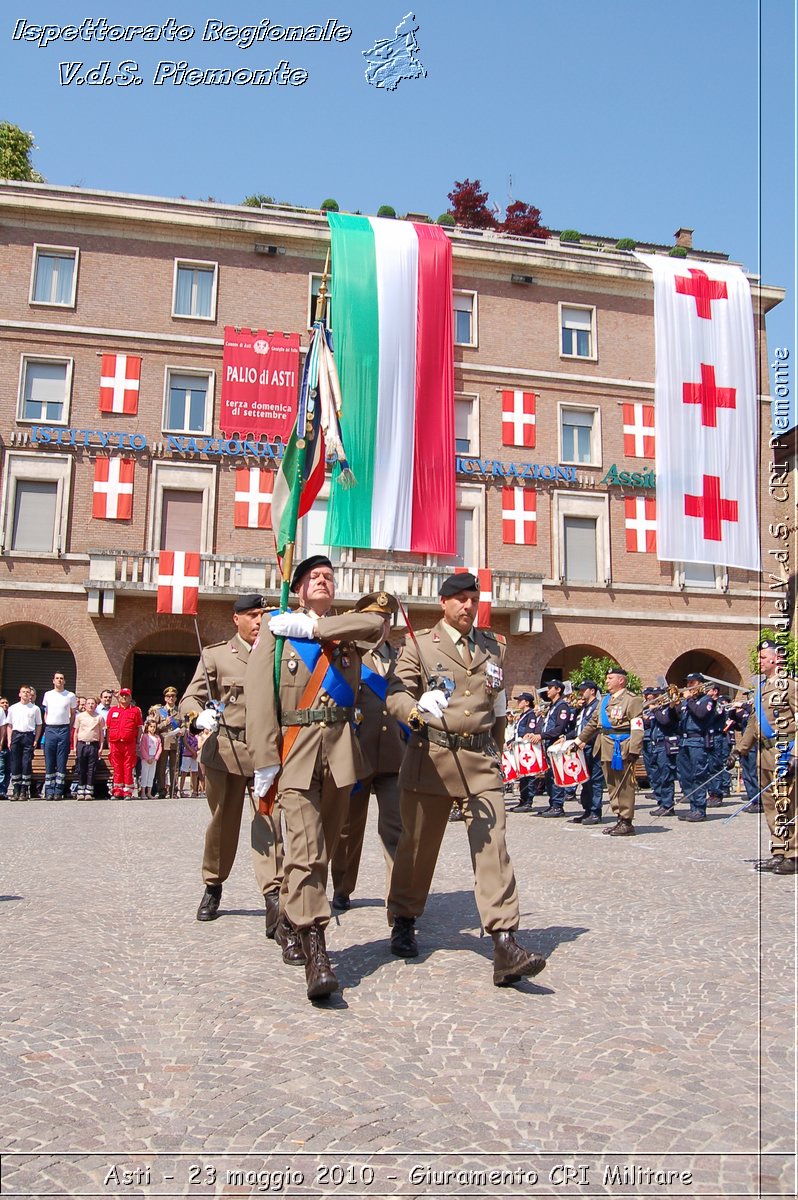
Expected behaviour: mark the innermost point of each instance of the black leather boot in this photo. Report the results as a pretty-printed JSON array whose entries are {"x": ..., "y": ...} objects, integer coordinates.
[
  {"x": 319, "y": 974},
  {"x": 272, "y": 902},
  {"x": 403, "y": 938},
  {"x": 209, "y": 904},
  {"x": 287, "y": 938},
  {"x": 512, "y": 962}
]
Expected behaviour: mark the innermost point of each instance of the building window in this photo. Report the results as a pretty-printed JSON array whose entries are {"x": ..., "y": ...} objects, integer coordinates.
[
  {"x": 195, "y": 290},
  {"x": 581, "y": 541},
  {"x": 580, "y": 436},
  {"x": 466, "y": 424},
  {"x": 701, "y": 575},
  {"x": 54, "y": 277},
  {"x": 465, "y": 318},
  {"x": 577, "y": 332},
  {"x": 314, "y": 527},
  {"x": 470, "y": 530},
  {"x": 189, "y": 402},
  {"x": 182, "y": 501},
  {"x": 35, "y": 503},
  {"x": 44, "y": 389},
  {"x": 313, "y": 291}
]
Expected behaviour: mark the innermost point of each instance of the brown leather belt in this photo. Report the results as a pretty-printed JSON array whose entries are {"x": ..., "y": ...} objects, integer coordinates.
[
  {"x": 317, "y": 716},
  {"x": 457, "y": 741}
]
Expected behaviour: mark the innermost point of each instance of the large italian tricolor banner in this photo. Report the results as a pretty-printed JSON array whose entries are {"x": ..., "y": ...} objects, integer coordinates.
[
  {"x": 706, "y": 415},
  {"x": 392, "y": 329}
]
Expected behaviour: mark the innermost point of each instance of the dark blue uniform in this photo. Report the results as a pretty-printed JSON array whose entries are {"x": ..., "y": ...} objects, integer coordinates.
[
  {"x": 694, "y": 764},
  {"x": 592, "y": 792},
  {"x": 557, "y": 723},
  {"x": 664, "y": 753},
  {"x": 528, "y": 722}
]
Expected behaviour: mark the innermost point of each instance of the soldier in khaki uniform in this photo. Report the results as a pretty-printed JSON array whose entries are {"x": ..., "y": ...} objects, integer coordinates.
[
  {"x": 382, "y": 742},
  {"x": 309, "y": 741},
  {"x": 772, "y": 726},
  {"x": 619, "y": 721},
  {"x": 449, "y": 688},
  {"x": 228, "y": 767}
]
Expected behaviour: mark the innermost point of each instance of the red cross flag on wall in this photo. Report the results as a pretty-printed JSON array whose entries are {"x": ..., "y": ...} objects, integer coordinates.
[
  {"x": 638, "y": 430},
  {"x": 519, "y": 517},
  {"x": 485, "y": 580},
  {"x": 706, "y": 413},
  {"x": 253, "y": 498},
  {"x": 178, "y": 581},
  {"x": 641, "y": 524},
  {"x": 120, "y": 375},
  {"x": 518, "y": 418},
  {"x": 112, "y": 492}
]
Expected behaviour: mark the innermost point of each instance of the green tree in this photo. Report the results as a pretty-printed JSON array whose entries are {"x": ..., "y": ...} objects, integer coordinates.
[
  {"x": 597, "y": 668},
  {"x": 257, "y": 200},
  {"x": 16, "y": 147},
  {"x": 783, "y": 639}
]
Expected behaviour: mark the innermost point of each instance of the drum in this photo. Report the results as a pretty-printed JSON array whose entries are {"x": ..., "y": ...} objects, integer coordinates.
[
  {"x": 569, "y": 767},
  {"x": 509, "y": 765},
  {"x": 531, "y": 758}
]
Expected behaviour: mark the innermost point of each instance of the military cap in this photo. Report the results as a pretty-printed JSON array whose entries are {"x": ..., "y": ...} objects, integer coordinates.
[
  {"x": 694, "y": 677},
  {"x": 616, "y": 670},
  {"x": 769, "y": 644},
  {"x": 246, "y": 604},
  {"x": 587, "y": 683},
  {"x": 379, "y": 602},
  {"x": 462, "y": 581},
  {"x": 169, "y": 689},
  {"x": 307, "y": 565},
  {"x": 526, "y": 696},
  {"x": 558, "y": 683}
]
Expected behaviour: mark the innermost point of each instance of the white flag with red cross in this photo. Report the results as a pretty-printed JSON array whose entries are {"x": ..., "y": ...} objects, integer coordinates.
[
  {"x": 112, "y": 491},
  {"x": 485, "y": 583},
  {"x": 253, "y": 498},
  {"x": 706, "y": 413},
  {"x": 120, "y": 376},
  {"x": 641, "y": 524},
  {"x": 518, "y": 418},
  {"x": 178, "y": 581},
  {"x": 638, "y": 430},
  {"x": 519, "y": 517}
]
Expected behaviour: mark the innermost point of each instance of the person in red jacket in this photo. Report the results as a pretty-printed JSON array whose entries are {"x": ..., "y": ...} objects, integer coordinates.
[{"x": 125, "y": 726}]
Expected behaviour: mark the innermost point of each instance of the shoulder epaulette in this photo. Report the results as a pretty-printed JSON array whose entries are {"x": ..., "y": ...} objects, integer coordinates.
[
  {"x": 493, "y": 636},
  {"x": 420, "y": 631}
]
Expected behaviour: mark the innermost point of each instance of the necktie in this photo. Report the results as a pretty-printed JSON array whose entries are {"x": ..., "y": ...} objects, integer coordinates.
[{"x": 465, "y": 650}]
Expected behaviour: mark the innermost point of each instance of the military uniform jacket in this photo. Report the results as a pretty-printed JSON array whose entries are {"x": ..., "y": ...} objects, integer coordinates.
[
  {"x": 780, "y": 705},
  {"x": 625, "y": 713},
  {"x": 226, "y": 664},
  {"x": 381, "y": 737},
  {"x": 338, "y": 741},
  {"x": 431, "y": 768}
]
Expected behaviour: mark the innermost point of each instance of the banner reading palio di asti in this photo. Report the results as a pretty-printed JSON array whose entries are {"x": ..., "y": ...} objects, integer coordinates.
[{"x": 260, "y": 375}]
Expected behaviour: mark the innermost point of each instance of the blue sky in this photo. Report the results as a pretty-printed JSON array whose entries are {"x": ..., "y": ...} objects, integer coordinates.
[{"x": 613, "y": 117}]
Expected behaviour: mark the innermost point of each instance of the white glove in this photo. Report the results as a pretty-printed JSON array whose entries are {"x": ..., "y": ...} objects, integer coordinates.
[
  {"x": 207, "y": 720},
  {"x": 570, "y": 744},
  {"x": 433, "y": 702},
  {"x": 293, "y": 624},
  {"x": 264, "y": 778}
]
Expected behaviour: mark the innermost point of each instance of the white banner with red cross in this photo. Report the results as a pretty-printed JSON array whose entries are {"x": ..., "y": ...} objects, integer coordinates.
[
  {"x": 253, "y": 498},
  {"x": 518, "y": 418},
  {"x": 112, "y": 491},
  {"x": 178, "y": 582},
  {"x": 120, "y": 378},
  {"x": 706, "y": 416},
  {"x": 519, "y": 517}
]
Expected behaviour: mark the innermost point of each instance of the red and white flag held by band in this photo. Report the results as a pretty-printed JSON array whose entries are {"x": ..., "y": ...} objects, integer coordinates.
[
  {"x": 638, "y": 430},
  {"x": 519, "y": 517},
  {"x": 120, "y": 376},
  {"x": 641, "y": 524},
  {"x": 112, "y": 491},
  {"x": 706, "y": 414},
  {"x": 518, "y": 418},
  {"x": 253, "y": 498},
  {"x": 178, "y": 581}
]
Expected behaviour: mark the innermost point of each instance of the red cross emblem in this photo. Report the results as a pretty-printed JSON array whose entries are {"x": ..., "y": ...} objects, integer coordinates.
[
  {"x": 703, "y": 290},
  {"x": 713, "y": 510},
  {"x": 710, "y": 397}
]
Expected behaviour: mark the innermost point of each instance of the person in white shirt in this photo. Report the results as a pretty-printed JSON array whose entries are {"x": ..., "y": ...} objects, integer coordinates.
[
  {"x": 5, "y": 733},
  {"x": 25, "y": 721},
  {"x": 59, "y": 706}
]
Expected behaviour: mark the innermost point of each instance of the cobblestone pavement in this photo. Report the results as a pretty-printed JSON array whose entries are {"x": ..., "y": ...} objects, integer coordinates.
[{"x": 147, "y": 1054}]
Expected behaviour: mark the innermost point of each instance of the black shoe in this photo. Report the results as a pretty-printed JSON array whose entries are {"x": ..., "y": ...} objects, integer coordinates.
[
  {"x": 787, "y": 866},
  {"x": 592, "y": 819},
  {"x": 512, "y": 962},
  {"x": 289, "y": 941},
  {"x": 693, "y": 815},
  {"x": 341, "y": 902},
  {"x": 457, "y": 813},
  {"x": 552, "y": 812},
  {"x": 577, "y": 820},
  {"x": 714, "y": 802},
  {"x": 272, "y": 902},
  {"x": 403, "y": 938},
  {"x": 209, "y": 905},
  {"x": 768, "y": 864},
  {"x": 525, "y": 807},
  {"x": 756, "y": 807},
  {"x": 319, "y": 975},
  {"x": 662, "y": 811}
]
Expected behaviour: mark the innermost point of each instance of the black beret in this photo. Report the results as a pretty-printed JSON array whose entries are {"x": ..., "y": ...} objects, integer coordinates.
[
  {"x": 247, "y": 603},
  {"x": 694, "y": 677},
  {"x": 526, "y": 696},
  {"x": 769, "y": 644},
  {"x": 315, "y": 560},
  {"x": 616, "y": 670},
  {"x": 463, "y": 581},
  {"x": 588, "y": 683},
  {"x": 379, "y": 602}
]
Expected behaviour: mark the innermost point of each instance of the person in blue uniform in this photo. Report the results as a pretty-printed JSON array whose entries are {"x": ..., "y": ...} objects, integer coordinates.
[
  {"x": 592, "y": 792},
  {"x": 527, "y": 728},
  {"x": 697, "y": 722},
  {"x": 556, "y": 725},
  {"x": 664, "y": 751}
]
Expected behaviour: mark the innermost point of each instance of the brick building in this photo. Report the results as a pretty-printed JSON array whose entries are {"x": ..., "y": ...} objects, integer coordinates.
[{"x": 558, "y": 507}]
